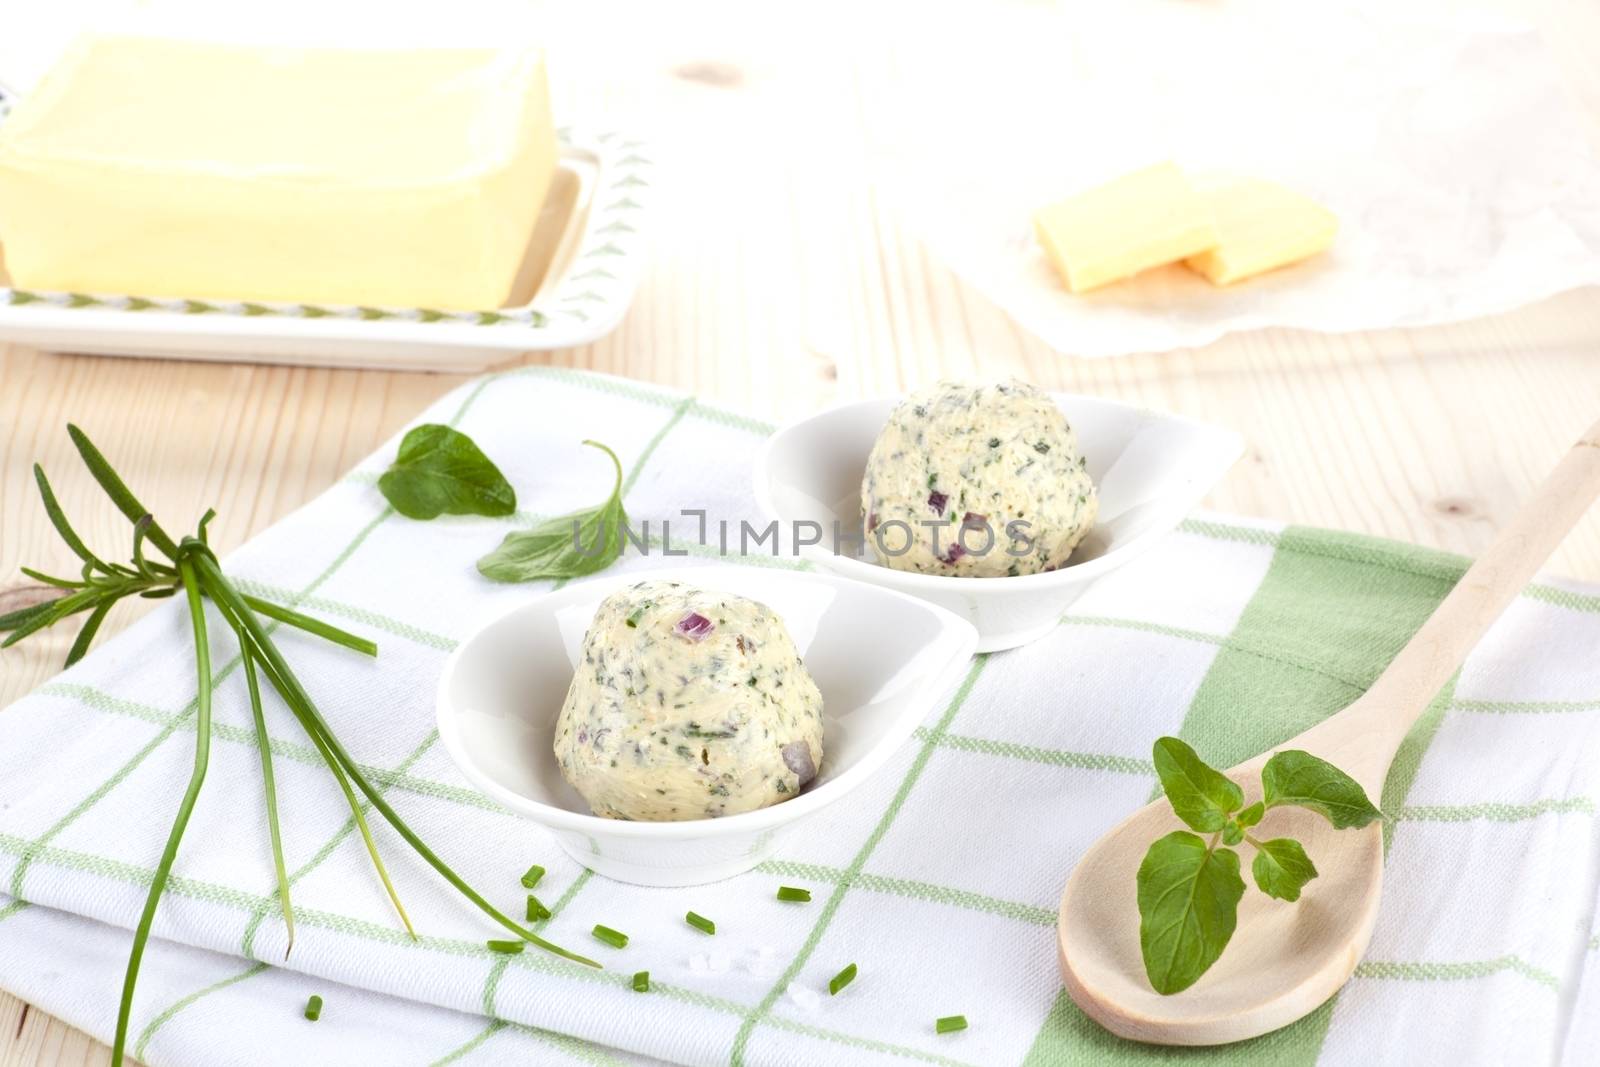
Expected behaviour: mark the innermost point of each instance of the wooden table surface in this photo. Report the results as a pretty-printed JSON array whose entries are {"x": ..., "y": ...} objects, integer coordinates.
[{"x": 779, "y": 282}]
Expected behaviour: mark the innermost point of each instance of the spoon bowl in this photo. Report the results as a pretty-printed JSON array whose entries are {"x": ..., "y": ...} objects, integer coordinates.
[{"x": 1312, "y": 945}]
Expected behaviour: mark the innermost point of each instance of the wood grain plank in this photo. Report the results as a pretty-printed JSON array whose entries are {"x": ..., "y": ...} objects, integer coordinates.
[{"x": 30, "y": 1038}]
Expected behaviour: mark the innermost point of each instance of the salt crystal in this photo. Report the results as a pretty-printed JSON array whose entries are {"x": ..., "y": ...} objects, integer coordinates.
[
  {"x": 761, "y": 966},
  {"x": 762, "y": 961},
  {"x": 805, "y": 999}
]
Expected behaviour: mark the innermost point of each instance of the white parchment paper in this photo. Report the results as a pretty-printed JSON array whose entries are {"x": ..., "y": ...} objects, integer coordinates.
[{"x": 1444, "y": 141}]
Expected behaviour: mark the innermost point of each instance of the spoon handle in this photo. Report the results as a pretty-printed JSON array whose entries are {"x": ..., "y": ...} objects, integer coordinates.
[{"x": 1428, "y": 661}]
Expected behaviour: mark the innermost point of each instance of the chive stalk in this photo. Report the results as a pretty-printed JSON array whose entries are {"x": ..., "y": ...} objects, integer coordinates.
[
  {"x": 505, "y": 948},
  {"x": 310, "y": 625},
  {"x": 700, "y": 922},
  {"x": 794, "y": 895},
  {"x": 950, "y": 1024},
  {"x": 537, "y": 912},
  {"x": 180, "y": 822},
  {"x": 641, "y": 982},
  {"x": 358, "y": 814},
  {"x": 314, "y": 1008},
  {"x": 289, "y": 687},
  {"x": 269, "y": 788},
  {"x": 531, "y": 879},
  {"x": 614, "y": 938},
  {"x": 842, "y": 979}
]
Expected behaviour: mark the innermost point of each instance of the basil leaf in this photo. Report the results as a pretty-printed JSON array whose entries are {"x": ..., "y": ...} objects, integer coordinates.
[
  {"x": 439, "y": 471},
  {"x": 1232, "y": 832},
  {"x": 1282, "y": 868},
  {"x": 1251, "y": 815},
  {"x": 571, "y": 546},
  {"x": 1200, "y": 796},
  {"x": 1303, "y": 780},
  {"x": 1188, "y": 908}
]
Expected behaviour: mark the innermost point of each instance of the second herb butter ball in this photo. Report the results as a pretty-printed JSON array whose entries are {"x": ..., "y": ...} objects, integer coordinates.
[
  {"x": 687, "y": 704},
  {"x": 977, "y": 481}
]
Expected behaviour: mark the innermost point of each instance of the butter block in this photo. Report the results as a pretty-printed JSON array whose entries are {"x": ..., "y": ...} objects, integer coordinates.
[
  {"x": 163, "y": 167},
  {"x": 1141, "y": 220},
  {"x": 1261, "y": 226}
]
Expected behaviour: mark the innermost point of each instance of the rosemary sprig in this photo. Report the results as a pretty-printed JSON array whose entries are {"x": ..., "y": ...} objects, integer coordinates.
[{"x": 190, "y": 566}]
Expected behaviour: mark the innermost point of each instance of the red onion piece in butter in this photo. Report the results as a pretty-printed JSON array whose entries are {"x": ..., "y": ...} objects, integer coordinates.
[
  {"x": 695, "y": 626},
  {"x": 797, "y": 757}
]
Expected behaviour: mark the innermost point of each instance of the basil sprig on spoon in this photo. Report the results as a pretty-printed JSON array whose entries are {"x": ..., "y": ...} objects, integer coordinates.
[{"x": 1189, "y": 887}]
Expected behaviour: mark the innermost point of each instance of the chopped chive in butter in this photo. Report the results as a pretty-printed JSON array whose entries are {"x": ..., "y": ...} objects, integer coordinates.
[
  {"x": 505, "y": 948},
  {"x": 950, "y": 1024},
  {"x": 794, "y": 895},
  {"x": 614, "y": 938},
  {"x": 537, "y": 912},
  {"x": 700, "y": 922},
  {"x": 641, "y": 982},
  {"x": 314, "y": 1008},
  {"x": 842, "y": 979},
  {"x": 531, "y": 879}
]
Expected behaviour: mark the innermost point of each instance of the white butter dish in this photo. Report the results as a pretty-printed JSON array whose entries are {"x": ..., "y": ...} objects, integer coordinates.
[{"x": 579, "y": 276}]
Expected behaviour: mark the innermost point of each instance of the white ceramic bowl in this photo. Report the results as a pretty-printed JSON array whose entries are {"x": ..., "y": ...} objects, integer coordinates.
[
  {"x": 879, "y": 657},
  {"x": 1151, "y": 469}
]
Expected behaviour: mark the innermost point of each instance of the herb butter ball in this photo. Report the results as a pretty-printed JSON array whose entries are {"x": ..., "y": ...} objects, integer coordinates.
[
  {"x": 976, "y": 481},
  {"x": 687, "y": 704}
]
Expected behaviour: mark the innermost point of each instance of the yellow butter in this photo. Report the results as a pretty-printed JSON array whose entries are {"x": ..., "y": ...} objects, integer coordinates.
[
  {"x": 1261, "y": 226},
  {"x": 1141, "y": 220},
  {"x": 178, "y": 168}
]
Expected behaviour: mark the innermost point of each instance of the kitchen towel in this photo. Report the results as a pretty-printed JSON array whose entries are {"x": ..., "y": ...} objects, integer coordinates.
[
  {"x": 939, "y": 878},
  {"x": 1465, "y": 181}
]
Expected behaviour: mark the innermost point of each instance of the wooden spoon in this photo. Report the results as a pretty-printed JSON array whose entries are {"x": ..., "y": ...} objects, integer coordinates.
[{"x": 1286, "y": 959}]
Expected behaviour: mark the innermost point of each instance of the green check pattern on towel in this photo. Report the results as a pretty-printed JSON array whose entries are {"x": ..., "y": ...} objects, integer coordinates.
[{"x": 939, "y": 879}]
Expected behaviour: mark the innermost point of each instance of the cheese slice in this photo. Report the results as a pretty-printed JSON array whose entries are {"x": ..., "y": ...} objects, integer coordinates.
[
  {"x": 1141, "y": 220},
  {"x": 1262, "y": 226},
  {"x": 179, "y": 168}
]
